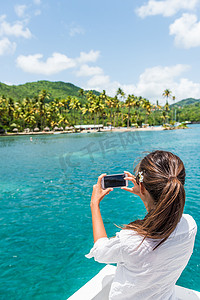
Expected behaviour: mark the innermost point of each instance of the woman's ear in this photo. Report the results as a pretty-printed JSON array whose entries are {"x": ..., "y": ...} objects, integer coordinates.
[{"x": 142, "y": 188}]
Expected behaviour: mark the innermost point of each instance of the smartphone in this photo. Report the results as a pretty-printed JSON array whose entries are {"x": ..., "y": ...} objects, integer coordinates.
[{"x": 114, "y": 181}]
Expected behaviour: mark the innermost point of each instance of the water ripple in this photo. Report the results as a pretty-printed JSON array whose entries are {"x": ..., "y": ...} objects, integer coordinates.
[{"x": 45, "y": 191}]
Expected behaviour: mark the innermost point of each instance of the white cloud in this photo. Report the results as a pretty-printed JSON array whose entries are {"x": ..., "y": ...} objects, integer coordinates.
[
  {"x": 186, "y": 88},
  {"x": 20, "y": 10},
  {"x": 155, "y": 80},
  {"x": 59, "y": 62},
  {"x": 112, "y": 88},
  {"x": 166, "y": 8},
  {"x": 76, "y": 29},
  {"x": 8, "y": 83},
  {"x": 17, "y": 29},
  {"x": 186, "y": 30},
  {"x": 7, "y": 47},
  {"x": 37, "y": 2},
  {"x": 103, "y": 82},
  {"x": 151, "y": 84},
  {"x": 161, "y": 74},
  {"x": 91, "y": 56},
  {"x": 56, "y": 63},
  {"x": 2, "y": 18},
  {"x": 86, "y": 70},
  {"x": 98, "y": 81},
  {"x": 37, "y": 12}
]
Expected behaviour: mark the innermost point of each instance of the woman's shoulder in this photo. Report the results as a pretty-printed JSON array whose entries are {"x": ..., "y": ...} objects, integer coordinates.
[
  {"x": 189, "y": 220},
  {"x": 128, "y": 233},
  {"x": 186, "y": 225},
  {"x": 128, "y": 236},
  {"x": 130, "y": 240}
]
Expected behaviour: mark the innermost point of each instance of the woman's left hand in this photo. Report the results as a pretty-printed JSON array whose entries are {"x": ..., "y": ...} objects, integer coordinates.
[{"x": 98, "y": 193}]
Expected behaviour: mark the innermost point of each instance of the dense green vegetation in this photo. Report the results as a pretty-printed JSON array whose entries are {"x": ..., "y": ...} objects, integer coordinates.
[
  {"x": 60, "y": 104},
  {"x": 185, "y": 102},
  {"x": 57, "y": 89},
  {"x": 188, "y": 112}
]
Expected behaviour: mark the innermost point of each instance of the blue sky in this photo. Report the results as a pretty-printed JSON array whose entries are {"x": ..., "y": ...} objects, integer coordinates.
[{"x": 142, "y": 46}]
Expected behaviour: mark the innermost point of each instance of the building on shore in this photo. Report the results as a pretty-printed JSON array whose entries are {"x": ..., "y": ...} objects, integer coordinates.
[{"x": 88, "y": 127}]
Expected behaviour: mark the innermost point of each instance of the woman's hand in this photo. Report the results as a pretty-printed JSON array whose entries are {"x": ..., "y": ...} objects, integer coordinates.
[
  {"x": 98, "y": 193},
  {"x": 136, "y": 188}
]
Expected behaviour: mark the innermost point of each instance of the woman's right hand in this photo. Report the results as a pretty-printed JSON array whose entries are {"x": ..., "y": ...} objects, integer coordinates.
[{"x": 136, "y": 188}]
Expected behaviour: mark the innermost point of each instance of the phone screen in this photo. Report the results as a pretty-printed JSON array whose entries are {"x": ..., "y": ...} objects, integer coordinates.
[{"x": 114, "y": 181}]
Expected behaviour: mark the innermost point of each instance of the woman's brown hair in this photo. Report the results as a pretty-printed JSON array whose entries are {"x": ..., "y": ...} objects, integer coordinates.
[{"x": 164, "y": 178}]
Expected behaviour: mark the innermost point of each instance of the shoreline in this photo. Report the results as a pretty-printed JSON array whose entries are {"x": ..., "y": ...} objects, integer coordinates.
[{"x": 121, "y": 129}]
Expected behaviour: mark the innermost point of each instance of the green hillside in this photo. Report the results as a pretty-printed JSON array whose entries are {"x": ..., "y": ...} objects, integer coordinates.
[
  {"x": 184, "y": 102},
  {"x": 34, "y": 109},
  {"x": 57, "y": 89}
]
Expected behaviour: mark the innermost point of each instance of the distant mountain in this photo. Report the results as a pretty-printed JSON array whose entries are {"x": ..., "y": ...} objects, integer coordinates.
[
  {"x": 184, "y": 102},
  {"x": 56, "y": 89}
]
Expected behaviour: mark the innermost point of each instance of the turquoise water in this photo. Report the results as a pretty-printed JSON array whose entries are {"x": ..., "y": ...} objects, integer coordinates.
[{"x": 45, "y": 189}]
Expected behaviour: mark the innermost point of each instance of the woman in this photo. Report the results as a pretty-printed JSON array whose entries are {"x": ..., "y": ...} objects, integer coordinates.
[{"x": 150, "y": 253}]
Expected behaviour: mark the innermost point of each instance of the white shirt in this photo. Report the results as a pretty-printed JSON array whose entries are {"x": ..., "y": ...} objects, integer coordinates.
[{"x": 144, "y": 274}]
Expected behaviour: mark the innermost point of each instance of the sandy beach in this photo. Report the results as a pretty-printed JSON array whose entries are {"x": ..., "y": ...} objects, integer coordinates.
[{"x": 120, "y": 129}]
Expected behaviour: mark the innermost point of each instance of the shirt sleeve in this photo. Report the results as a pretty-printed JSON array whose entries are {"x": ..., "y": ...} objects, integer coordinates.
[{"x": 107, "y": 250}]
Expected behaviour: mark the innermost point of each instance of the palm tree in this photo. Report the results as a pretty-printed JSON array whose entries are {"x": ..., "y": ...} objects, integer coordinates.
[
  {"x": 3, "y": 111},
  {"x": 122, "y": 96},
  {"x": 110, "y": 103},
  {"x": 130, "y": 102},
  {"x": 65, "y": 105},
  {"x": 98, "y": 106},
  {"x": 117, "y": 107},
  {"x": 43, "y": 95},
  {"x": 90, "y": 101},
  {"x": 164, "y": 116},
  {"x": 54, "y": 113},
  {"x": 120, "y": 93},
  {"x": 125, "y": 118},
  {"x": 137, "y": 104},
  {"x": 103, "y": 95},
  {"x": 166, "y": 107},
  {"x": 74, "y": 105},
  {"x": 85, "y": 108},
  {"x": 29, "y": 113},
  {"x": 80, "y": 112},
  {"x": 173, "y": 98},
  {"x": 122, "y": 105},
  {"x": 159, "y": 107},
  {"x": 17, "y": 114},
  {"x": 23, "y": 111},
  {"x": 166, "y": 94},
  {"x": 147, "y": 106},
  {"x": 10, "y": 109},
  {"x": 81, "y": 92}
]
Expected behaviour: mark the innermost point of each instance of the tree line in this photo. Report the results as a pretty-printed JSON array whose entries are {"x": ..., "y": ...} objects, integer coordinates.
[{"x": 120, "y": 110}]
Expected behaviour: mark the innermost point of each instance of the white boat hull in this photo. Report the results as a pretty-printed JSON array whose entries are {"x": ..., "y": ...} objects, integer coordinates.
[{"x": 99, "y": 286}]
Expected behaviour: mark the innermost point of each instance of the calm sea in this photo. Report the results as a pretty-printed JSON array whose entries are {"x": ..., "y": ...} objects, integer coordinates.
[{"x": 45, "y": 189}]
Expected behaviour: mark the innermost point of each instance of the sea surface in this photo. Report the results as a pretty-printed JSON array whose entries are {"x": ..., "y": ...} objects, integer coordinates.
[{"x": 45, "y": 190}]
